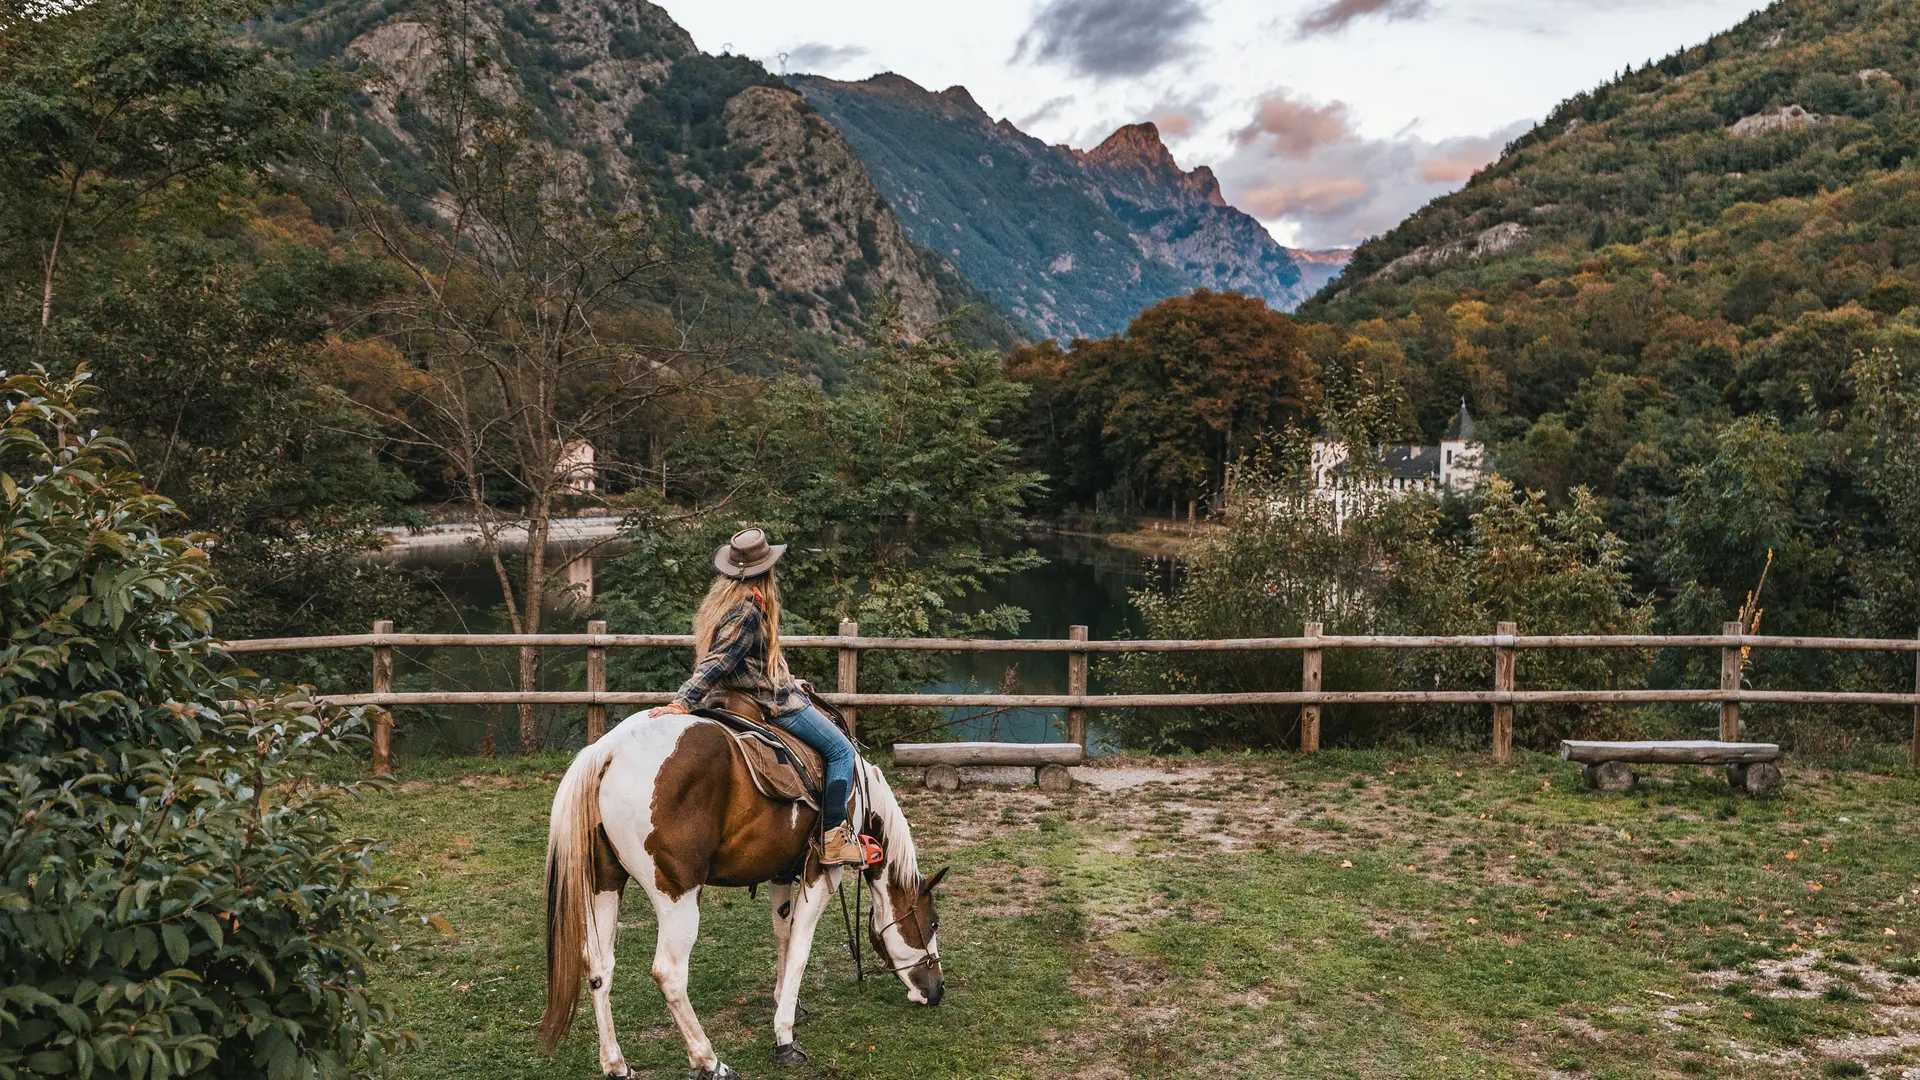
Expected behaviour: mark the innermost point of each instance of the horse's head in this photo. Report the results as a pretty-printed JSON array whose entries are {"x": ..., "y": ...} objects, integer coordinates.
[{"x": 904, "y": 926}]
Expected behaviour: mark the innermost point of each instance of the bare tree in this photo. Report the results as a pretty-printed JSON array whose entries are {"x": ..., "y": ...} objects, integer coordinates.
[{"x": 539, "y": 315}]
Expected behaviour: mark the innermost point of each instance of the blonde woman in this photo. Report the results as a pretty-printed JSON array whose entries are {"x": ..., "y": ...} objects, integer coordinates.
[{"x": 736, "y": 635}]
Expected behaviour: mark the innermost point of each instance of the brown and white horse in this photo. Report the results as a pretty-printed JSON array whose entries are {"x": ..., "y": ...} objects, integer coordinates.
[{"x": 665, "y": 800}]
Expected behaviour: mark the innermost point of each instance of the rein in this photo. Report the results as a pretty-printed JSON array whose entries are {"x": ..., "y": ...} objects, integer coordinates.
[{"x": 852, "y": 921}]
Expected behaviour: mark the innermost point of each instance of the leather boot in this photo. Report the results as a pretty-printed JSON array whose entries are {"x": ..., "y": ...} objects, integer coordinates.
[{"x": 840, "y": 847}]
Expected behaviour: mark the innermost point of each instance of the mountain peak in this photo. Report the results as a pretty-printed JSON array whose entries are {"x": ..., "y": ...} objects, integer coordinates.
[
  {"x": 1134, "y": 144},
  {"x": 1137, "y": 147},
  {"x": 898, "y": 84},
  {"x": 958, "y": 95}
]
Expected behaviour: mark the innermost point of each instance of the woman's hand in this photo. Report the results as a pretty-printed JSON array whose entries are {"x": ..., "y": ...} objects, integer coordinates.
[{"x": 669, "y": 707}]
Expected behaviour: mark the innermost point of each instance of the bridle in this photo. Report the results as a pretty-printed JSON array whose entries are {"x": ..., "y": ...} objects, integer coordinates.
[{"x": 853, "y": 938}]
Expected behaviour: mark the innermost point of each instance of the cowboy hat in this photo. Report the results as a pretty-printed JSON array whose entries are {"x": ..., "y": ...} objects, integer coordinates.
[{"x": 747, "y": 555}]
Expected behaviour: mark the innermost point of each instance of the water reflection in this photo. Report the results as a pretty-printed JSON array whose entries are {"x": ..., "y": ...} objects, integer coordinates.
[{"x": 1086, "y": 581}]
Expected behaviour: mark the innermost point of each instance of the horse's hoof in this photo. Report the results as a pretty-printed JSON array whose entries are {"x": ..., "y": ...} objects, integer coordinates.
[
  {"x": 800, "y": 1013},
  {"x": 718, "y": 1072},
  {"x": 790, "y": 1054}
]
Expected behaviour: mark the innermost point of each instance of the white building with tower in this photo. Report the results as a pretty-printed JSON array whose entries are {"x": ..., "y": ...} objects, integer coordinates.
[{"x": 1457, "y": 464}]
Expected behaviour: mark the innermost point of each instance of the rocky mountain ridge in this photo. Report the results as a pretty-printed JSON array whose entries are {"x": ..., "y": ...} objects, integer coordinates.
[
  {"x": 623, "y": 95},
  {"x": 1071, "y": 242}
]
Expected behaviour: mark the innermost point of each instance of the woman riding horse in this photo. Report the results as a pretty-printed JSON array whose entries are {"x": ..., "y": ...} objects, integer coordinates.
[
  {"x": 667, "y": 801},
  {"x": 736, "y": 635}
]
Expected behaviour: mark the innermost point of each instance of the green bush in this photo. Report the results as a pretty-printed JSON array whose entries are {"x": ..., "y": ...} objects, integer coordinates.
[
  {"x": 1380, "y": 565},
  {"x": 175, "y": 898}
]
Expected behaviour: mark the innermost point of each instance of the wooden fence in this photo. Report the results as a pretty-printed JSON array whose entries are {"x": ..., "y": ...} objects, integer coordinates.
[{"x": 1505, "y": 642}]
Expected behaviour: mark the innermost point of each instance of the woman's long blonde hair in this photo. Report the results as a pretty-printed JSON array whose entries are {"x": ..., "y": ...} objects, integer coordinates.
[{"x": 728, "y": 593}]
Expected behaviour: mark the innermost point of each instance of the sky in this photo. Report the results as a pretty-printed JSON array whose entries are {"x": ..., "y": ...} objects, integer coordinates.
[{"x": 1329, "y": 120}]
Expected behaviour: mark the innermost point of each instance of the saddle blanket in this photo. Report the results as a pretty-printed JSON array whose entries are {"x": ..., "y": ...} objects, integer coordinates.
[{"x": 783, "y": 768}]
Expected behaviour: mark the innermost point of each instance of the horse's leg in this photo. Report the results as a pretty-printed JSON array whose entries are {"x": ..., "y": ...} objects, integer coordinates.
[
  {"x": 781, "y": 897},
  {"x": 603, "y": 925},
  {"x": 808, "y": 905},
  {"x": 679, "y": 928}
]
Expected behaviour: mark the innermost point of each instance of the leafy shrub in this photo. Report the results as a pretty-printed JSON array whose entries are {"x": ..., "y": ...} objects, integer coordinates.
[{"x": 175, "y": 899}]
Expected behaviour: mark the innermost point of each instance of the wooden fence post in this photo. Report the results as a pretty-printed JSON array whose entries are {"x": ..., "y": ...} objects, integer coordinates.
[
  {"x": 849, "y": 681},
  {"x": 1077, "y": 684},
  {"x": 1503, "y": 665},
  {"x": 1730, "y": 680},
  {"x": 596, "y": 683},
  {"x": 1916, "y": 711},
  {"x": 1310, "y": 684},
  {"x": 383, "y": 720}
]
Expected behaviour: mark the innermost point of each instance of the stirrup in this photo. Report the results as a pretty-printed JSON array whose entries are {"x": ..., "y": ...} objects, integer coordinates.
[{"x": 863, "y": 848}]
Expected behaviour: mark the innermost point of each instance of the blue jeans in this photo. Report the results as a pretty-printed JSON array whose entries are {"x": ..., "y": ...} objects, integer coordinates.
[{"x": 812, "y": 727}]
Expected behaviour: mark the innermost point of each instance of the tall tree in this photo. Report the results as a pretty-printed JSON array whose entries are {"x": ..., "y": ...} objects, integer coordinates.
[
  {"x": 109, "y": 106},
  {"x": 146, "y": 229},
  {"x": 534, "y": 319}
]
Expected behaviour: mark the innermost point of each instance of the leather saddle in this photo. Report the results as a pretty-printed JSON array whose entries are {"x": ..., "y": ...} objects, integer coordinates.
[{"x": 784, "y": 769}]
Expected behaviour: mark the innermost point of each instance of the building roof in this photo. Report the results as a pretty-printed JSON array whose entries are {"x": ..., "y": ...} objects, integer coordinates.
[
  {"x": 1412, "y": 462},
  {"x": 1462, "y": 428},
  {"x": 1403, "y": 463}
]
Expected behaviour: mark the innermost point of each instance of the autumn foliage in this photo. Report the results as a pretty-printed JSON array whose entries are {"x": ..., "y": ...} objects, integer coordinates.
[{"x": 1155, "y": 416}]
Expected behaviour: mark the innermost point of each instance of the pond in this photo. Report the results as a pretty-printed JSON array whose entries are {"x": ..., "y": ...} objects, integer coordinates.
[{"x": 1085, "y": 581}]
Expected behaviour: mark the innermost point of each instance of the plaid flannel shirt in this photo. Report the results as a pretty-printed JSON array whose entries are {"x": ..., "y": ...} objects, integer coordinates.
[{"x": 737, "y": 660}]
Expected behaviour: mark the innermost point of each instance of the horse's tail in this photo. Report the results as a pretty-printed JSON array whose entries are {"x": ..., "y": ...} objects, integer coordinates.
[{"x": 570, "y": 836}]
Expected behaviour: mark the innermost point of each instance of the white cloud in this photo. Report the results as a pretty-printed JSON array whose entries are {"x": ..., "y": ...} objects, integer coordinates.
[{"x": 817, "y": 58}]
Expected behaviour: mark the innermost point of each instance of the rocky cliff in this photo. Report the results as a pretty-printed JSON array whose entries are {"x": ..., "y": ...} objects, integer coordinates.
[
  {"x": 1074, "y": 243},
  {"x": 624, "y": 96}
]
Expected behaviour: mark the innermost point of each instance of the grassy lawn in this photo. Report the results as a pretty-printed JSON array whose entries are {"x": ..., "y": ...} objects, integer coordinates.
[{"x": 1358, "y": 915}]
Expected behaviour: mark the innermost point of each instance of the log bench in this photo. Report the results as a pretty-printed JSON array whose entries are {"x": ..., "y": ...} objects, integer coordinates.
[
  {"x": 1750, "y": 766},
  {"x": 943, "y": 761}
]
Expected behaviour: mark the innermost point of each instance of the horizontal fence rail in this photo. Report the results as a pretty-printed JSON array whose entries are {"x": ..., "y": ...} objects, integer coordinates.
[
  {"x": 1506, "y": 643},
  {"x": 1117, "y": 645}
]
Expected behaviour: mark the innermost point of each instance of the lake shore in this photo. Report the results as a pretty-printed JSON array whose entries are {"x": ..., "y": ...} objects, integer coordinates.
[{"x": 1158, "y": 537}]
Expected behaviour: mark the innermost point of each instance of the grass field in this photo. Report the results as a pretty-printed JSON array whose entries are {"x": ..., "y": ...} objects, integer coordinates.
[{"x": 1356, "y": 915}]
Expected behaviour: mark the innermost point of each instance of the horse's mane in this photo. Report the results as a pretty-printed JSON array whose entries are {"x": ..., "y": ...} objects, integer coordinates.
[{"x": 903, "y": 859}]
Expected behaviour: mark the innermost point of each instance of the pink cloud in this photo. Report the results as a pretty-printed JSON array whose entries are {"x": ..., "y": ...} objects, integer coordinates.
[
  {"x": 1302, "y": 162},
  {"x": 1293, "y": 127}
]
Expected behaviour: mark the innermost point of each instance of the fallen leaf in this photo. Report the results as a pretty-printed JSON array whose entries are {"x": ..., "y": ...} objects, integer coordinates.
[
  {"x": 1890, "y": 932},
  {"x": 1346, "y": 864}
]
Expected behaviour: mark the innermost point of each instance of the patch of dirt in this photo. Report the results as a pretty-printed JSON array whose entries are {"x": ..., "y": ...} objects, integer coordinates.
[
  {"x": 1902, "y": 1033},
  {"x": 486, "y": 781},
  {"x": 1581, "y": 1029},
  {"x": 1111, "y": 779},
  {"x": 1806, "y": 974}
]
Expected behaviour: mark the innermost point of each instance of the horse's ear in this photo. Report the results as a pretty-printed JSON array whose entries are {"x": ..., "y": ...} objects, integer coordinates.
[{"x": 935, "y": 880}]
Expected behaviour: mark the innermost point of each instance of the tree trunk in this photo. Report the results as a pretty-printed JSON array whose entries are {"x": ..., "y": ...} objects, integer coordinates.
[
  {"x": 532, "y": 601},
  {"x": 46, "y": 280}
]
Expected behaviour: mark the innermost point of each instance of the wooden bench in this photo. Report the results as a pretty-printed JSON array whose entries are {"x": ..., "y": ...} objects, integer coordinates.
[
  {"x": 1750, "y": 766},
  {"x": 943, "y": 761}
]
